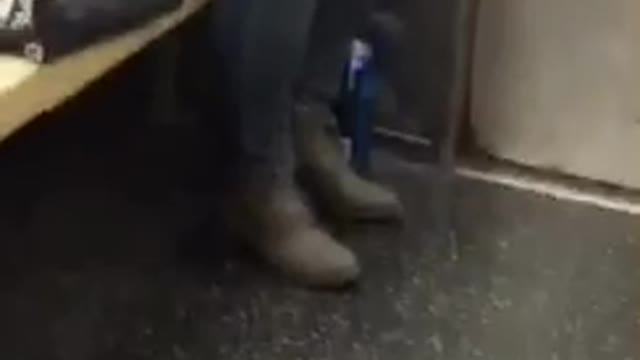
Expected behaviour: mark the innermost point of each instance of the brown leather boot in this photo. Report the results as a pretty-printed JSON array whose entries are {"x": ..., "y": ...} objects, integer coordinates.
[
  {"x": 283, "y": 230},
  {"x": 326, "y": 172}
]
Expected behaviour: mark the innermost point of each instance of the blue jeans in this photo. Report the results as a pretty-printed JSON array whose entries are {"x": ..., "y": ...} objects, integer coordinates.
[{"x": 276, "y": 53}]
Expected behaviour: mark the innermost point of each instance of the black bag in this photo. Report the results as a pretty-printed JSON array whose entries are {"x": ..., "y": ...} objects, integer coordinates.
[{"x": 43, "y": 30}]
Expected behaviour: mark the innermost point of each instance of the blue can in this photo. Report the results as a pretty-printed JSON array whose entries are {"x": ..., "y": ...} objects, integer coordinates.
[{"x": 357, "y": 106}]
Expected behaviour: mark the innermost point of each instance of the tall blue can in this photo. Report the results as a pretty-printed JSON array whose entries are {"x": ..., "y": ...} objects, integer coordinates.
[{"x": 357, "y": 106}]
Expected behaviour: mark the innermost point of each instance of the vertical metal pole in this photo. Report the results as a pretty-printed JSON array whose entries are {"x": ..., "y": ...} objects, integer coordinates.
[{"x": 463, "y": 43}]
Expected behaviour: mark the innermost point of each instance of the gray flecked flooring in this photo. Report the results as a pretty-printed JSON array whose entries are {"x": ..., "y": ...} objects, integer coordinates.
[{"x": 107, "y": 253}]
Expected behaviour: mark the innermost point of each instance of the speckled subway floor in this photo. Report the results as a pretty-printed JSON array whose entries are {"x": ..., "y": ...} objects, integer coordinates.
[{"x": 105, "y": 256}]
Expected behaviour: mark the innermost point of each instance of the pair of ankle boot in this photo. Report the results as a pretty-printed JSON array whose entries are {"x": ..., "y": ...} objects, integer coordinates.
[{"x": 284, "y": 229}]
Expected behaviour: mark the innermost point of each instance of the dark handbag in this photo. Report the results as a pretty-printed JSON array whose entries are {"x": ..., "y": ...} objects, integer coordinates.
[{"x": 43, "y": 30}]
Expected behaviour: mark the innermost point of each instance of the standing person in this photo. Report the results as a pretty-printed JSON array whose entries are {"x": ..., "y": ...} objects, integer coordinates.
[{"x": 283, "y": 61}]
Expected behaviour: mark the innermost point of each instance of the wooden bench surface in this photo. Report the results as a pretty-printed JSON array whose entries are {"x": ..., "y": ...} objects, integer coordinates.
[{"x": 28, "y": 90}]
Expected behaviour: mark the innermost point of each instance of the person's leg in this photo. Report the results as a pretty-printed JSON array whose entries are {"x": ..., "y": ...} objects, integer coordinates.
[
  {"x": 262, "y": 44},
  {"x": 318, "y": 148}
]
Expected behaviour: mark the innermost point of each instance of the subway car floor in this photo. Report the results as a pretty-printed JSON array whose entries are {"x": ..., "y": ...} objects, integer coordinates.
[{"x": 109, "y": 252}]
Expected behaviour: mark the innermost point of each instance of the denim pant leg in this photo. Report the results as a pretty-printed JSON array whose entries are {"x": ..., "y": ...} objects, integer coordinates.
[{"x": 263, "y": 44}]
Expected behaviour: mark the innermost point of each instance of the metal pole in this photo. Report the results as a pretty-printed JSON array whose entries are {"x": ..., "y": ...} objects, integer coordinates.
[{"x": 463, "y": 39}]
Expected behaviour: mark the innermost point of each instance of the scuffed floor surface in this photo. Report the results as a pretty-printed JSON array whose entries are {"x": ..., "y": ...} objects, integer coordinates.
[{"x": 105, "y": 256}]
